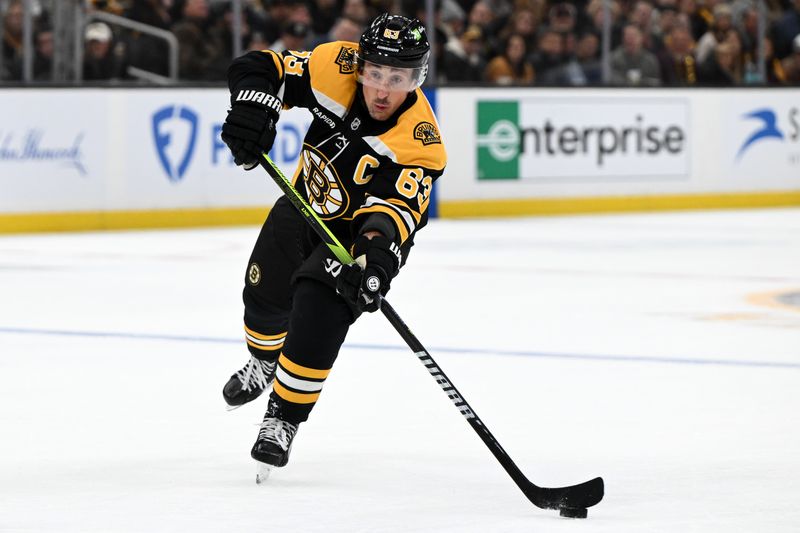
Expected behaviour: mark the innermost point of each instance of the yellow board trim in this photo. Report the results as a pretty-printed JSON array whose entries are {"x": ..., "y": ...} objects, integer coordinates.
[
  {"x": 263, "y": 337},
  {"x": 118, "y": 220},
  {"x": 293, "y": 397},
  {"x": 615, "y": 204},
  {"x": 244, "y": 216},
  {"x": 302, "y": 371}
]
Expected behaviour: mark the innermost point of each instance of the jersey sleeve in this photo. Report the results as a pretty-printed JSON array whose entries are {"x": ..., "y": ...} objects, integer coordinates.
[
  {"x": 397, "y": 202},
  {"x": 284, "y": 75}
]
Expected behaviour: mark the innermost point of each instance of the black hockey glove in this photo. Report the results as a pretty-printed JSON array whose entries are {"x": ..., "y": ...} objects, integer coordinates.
[
  {"x": 364, "y": 282},
  {"x": 250, "y": 126}
]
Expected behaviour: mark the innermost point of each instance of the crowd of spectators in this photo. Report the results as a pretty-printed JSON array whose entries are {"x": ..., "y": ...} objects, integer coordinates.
[{"x": 503, "y": 42}]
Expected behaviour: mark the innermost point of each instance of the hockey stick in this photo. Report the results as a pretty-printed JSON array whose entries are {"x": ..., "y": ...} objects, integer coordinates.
[{"x": 571, "y": 501}]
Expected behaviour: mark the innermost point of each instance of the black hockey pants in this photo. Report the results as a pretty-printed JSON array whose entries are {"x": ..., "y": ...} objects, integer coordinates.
[{"x": 292, "y": 310}]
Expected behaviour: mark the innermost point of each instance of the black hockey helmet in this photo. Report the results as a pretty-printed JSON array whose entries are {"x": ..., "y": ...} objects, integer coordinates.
[{"x": 398, "y": 42}]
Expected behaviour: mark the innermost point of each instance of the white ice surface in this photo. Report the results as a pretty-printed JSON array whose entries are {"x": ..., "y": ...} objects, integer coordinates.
[{"x": 624, "y": 346}]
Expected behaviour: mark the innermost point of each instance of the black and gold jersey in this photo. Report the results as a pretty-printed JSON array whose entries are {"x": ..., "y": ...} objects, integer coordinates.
[{"x": 351, "y": 166}]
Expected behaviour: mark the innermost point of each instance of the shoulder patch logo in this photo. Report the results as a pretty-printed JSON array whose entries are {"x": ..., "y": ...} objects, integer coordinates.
[
  {"x": 254, "y": 274},
  {"x": 346, "y": 60},
  {"x": 427, "y": 133}
]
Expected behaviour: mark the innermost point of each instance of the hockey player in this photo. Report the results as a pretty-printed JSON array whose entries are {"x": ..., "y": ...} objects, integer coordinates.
[{"x": 367, "y": 166}]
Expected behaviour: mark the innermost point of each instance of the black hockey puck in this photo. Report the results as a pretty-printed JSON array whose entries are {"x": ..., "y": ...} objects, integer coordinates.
[{"x": 573, "y": 512}]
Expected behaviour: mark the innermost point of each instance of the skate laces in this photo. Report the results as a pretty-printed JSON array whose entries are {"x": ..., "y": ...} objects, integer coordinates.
[
  {"x": 278, "y": 432},
  {"x": 256, "y": 373}
]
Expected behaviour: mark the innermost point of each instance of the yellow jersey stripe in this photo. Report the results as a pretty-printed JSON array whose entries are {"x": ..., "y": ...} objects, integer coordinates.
[
  {"x": 302, "y": 371},
  {"x": 264, "y": 337},
  {"x": 332, "y": 88},
  {"x": 276, "y": 58},
  {"x": 293, "y": 397},
  {"x": 404, "y": 205}
]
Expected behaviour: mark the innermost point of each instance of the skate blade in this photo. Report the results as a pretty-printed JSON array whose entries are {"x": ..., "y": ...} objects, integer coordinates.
[{"x": 262, "y": 472}]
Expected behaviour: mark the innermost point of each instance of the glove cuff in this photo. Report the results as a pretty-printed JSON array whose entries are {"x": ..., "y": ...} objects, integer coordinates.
[
  {"x": 379, "y": 251},
  {"x": 259, "y": 98}
]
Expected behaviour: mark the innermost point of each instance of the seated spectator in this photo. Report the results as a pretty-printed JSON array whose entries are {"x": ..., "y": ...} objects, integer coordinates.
[
  {"x": 667, "y": 18},
  {"x": 641, "y": 16},
  {"x": 43, "y": 60},
  {"x": 346, "y": 29},
  {"x": 776, "y": 75},
  {"x": 465, "y": 58},
  {"x": 595, "y": 12},
  {"x": 145, "y": 51},
  {"x": 481, "y": 15},
  {"x": 721, "y": 26},
  {"x": 678, "y": 65},
  {"x": 631, "y": 64},
  {"x": 12, "y": 40},
  {"x": 257, "y": 42},
  {"x": 582, "y": 69},
  {"x": 201, "y": 55},
  {"x": 791, "y": 64},
  {"x": 357, "y": 11},
  {"x": 562, "y": 18},
  {"x": 511, "y": 67},
  {"x": 343, "y": 29},
  {"x": 720, "y": 68},
  {"x": 549, "y": 54},
  {"x": 223, "y": 28},
  {"x": 104, "y": 59},
  {"x": 452, "y": 19},
  {"x": 523, "y": 22},
  {"x": 785, "y": 29},
  {"x": 698, "y": 21},
  {"x": 150, "y": 12},
  {"x": 746, "y": 24},
  {"x": 324, "y": 14},
  {"x": 293, "y": 37}
]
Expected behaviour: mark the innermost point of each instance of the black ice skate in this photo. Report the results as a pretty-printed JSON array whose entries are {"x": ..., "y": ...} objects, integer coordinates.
[
  {"x": 273, "y": 444},
  {"x": 248, "y": 383}
]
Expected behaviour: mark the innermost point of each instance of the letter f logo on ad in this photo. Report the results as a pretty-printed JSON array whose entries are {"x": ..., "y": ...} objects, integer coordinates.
[
  {"x": 175, "y": 133},
  {"x": 768, "y": 129}
]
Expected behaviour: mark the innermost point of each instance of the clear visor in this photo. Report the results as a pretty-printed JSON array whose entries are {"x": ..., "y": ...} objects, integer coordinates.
[{"x": 390, "y": 78}]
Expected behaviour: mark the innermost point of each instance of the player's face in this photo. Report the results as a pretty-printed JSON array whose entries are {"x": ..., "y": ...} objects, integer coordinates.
[{"x": 385, "y": 89}]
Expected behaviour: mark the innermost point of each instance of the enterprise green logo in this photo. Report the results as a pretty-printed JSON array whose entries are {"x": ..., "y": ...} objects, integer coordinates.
[
  {"x": 614, "y": 140},
  {"x": 498, "y": 140}
]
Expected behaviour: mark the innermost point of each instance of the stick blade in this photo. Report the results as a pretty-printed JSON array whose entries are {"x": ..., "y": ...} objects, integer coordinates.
[{"x": 572, "y": 497}]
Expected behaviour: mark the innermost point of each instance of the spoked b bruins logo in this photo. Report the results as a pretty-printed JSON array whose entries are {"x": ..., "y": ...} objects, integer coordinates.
[
  {"x": 326, "y": 195},
  {"x": 254, "y": 274}
]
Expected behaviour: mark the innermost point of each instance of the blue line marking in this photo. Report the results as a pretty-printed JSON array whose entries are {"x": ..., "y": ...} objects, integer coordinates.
[{"x": 433, "y": 351}]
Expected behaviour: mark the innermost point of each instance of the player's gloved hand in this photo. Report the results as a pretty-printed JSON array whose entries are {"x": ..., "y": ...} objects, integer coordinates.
[
  {"x": 249, "y": 128},
  {"x": 366, "y": 281}
]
